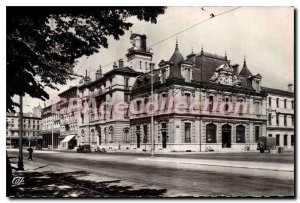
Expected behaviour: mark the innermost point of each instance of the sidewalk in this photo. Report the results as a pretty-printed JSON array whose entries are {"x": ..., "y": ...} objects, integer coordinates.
[
  {"x": 222, "y": 163},
  {"x": 47, "y": 180}
]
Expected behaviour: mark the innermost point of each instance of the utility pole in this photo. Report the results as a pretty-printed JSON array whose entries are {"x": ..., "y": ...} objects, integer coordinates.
[
  {"x": 52, "y": 136},
  {"x": 89, "y": 128},
  {"x": 10, "y": 127},
  {"x": 20, "y": 161},
  {"x": 152, "y": 112}
]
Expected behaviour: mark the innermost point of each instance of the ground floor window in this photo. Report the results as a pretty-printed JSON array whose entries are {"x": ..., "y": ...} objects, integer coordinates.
[
  {"x": 111, "y": 133},
  {"x": 211, "y": 133},
  {"x": 277, "y": 140},
  {"x": 257, "y": 129},
  {"x": 145, "y": 129},
  {"x": 240, "y": 134},
  {"x": 126, "y": 135},
  {"x": 270, "y": 135},
  {"x": 187, "y": 132},
  {"x": 292, "y": 140},
  {"x": 285, "y": 137}
]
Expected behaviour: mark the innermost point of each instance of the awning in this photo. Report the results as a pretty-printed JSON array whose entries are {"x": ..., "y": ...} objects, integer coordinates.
[{"x": 68, "y": 138}]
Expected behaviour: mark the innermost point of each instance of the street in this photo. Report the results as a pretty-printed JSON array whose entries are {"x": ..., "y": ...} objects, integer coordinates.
[{"x": 176, "y": 179}]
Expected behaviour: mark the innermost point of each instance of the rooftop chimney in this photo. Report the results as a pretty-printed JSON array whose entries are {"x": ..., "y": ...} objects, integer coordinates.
[
  {"x": 115, "y": 65},
  {"x": 99, "y": 73},
  {"x": 290, "y": 87},
  {"x": 121, "y": 63}
]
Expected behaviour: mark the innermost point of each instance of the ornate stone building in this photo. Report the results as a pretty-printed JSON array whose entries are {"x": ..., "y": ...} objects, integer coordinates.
[
  {"x": 98, "y": 122},
  {"x": 223, "y": 109},
  {"x": 201, "y": 102}
]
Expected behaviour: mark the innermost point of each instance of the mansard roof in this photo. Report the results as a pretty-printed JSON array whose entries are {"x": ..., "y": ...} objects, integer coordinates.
[
  {"x": 186, "y": 61},
  {"x": 119, "y": 70},
  {"x": 68, "y": 90},
  {"x": 277, "y": 91},
  {"x": 206, "y": 64},
  {"x": 245, "y": 72},
  {"x": 145, "y": 79},
  {"x": 175, "y": 73},
  {"x": 176, "y": 57}
]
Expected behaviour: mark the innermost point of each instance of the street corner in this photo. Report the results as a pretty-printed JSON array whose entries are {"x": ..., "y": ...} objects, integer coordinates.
[{"x": 77, "y": 184}]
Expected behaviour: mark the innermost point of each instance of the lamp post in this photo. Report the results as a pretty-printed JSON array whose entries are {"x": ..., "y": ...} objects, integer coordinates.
[
  {"x": 52, "y": 136},
  {"x": 152, "y": 112},
  {"x": 89, "y": 117},
  {"x": 10, "y": 129},
  {"x": 20, "y": 160}
]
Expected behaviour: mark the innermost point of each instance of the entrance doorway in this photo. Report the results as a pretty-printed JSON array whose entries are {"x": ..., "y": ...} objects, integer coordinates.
[
  {"x": 164, "y": 140},
  {"x": 226, "y": 136},
  {"x": 138, "y": 140}
]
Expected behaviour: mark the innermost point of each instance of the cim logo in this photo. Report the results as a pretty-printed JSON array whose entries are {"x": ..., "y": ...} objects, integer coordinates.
[{"x": 17, "y": 181}]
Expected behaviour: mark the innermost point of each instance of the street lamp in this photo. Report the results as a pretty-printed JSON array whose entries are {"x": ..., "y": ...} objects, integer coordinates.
[
  {"x": 20, "y": 160},
  {"x": 28, "y": 130},
  {"x": 52, "y": 138},
  {"x": 152, "y": 112},
  {"x": 10, "y": 129}
]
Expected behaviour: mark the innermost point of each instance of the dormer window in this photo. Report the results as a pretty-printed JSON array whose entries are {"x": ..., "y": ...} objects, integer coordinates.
[
  {"x": 188, "y": 75},
  {"x": 163, "y": 75}
]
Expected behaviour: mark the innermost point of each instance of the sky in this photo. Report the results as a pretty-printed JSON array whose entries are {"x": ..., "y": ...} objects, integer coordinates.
[{"x": 264, "y": 35}]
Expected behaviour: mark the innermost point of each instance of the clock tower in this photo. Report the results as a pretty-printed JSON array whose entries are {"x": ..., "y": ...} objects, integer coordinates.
[{"x": 139, "y": 55}]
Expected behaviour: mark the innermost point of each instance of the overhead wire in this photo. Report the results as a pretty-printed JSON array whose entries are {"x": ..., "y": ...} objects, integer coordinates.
[{"x": 212, "y": 15}]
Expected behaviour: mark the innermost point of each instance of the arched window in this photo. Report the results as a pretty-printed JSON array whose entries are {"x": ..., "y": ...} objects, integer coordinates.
[
  {"x": 82, "y": 133},
  {"x": 126, "y": 135},
  {"x": 240, "y": 134},
  {"x": 211, "y": 133},
  {"x": 92, "y": 135},
  {"x": 111, "y": 133}
]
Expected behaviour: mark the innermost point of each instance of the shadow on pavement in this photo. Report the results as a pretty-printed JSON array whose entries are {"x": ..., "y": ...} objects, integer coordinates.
[{"x": 59, "y": 185}]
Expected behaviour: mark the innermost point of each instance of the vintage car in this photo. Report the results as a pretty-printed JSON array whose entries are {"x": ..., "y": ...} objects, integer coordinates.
[
  {"x": 266, "y": 143},
  {"x": 84, "y": 148}
]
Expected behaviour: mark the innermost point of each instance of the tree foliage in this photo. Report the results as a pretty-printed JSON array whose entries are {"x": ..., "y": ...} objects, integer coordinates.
[{"x": 44, "y": 43}]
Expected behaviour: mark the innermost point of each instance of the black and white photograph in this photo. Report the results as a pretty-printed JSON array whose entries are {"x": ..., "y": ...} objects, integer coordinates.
[{"x": 150, "y": 102}]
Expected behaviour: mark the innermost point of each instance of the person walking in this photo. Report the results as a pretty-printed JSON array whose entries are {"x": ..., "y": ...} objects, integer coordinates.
[{"x": 30, "y": 150}]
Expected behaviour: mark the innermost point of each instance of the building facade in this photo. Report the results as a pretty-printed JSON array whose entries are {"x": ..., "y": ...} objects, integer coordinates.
[
  {"x": 221, "y": 109},
  {"x": 50, "y": 127},
  {"x": 68, "y": 118},
  {"x": 281, "y": 116},
  {"x": 98, "y": 122},
  {"x": 201, "y": 102},
  {"x": 31, "y": 129}
]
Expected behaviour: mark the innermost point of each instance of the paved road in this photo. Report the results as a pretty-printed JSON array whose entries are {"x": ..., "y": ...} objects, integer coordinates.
[
  {"x": 177, "y": 181},
  {"x": 287, "y": 157}
]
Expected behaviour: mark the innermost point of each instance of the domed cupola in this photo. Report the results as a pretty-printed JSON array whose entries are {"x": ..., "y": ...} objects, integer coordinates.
[{"x": 177, "y": 56}]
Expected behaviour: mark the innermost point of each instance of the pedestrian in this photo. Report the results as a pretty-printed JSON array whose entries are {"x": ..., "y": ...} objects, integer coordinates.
[{"x": 30, "y": 150}]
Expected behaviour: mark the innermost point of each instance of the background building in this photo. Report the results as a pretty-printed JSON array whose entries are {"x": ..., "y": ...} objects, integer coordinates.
[
  {"x": 31, "y": 129},
  {"x": 281, "y": 116},
  {"x": 68, "y": 118},
  {"x": 50, "y": 126}
]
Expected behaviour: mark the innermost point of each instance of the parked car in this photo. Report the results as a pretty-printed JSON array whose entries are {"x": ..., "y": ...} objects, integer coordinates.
[
  {"x": 266, "y": 143},
  {"x": 84, "y": 148},
  {"x": 98, "y": 149},
  {"x": 38, "y": 147}
]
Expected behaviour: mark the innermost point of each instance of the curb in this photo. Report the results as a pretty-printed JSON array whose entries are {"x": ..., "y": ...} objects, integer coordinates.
[{"x": 208, "y": 164}]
